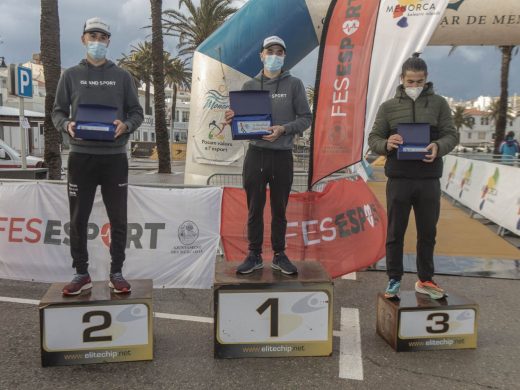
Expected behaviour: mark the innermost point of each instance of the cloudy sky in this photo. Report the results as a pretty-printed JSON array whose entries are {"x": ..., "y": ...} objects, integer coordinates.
[{"x": 468, "y": 73}]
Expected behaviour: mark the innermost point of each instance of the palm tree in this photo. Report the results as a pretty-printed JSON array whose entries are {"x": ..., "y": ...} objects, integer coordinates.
[
  {"x": 177, "y": 74},
  {"x": 161, "y": 131},
  {"x": 501, "y": 119},
  {"x": 199, "y": 24},
  {"x": 139, "y": 63},
  {"x": 461, "y": 119},
  {"x": 50, "y": 57},
  {"x": 494, "y": 112},
  {"x": 310, "y": 96}
]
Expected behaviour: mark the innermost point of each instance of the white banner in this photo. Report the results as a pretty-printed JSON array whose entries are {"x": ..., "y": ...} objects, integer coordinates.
[
  {"x": 489, "y": 189},
  {"x": 403, "y": 27},
  {"x": 173, "y": 235},
  {"x": 210, "y": 140}
]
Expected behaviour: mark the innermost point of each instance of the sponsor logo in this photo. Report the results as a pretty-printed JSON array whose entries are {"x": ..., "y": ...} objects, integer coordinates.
[
  {"x": 216, "y": 131},
  {"x": 466, "y": 180},
  {"x": 350, "y": 26},
  {"x": 489, "y": 191},
  {"x": 21, "y": 230},
  {"x": 343, "y": 225},
  {"x": 402, "y": 10},
  {"x": 216, "y": 99},
  {"x": 452, "y": 173},
  {"x": 455, "y": 4},
  {"x": 188, "y": 232}
]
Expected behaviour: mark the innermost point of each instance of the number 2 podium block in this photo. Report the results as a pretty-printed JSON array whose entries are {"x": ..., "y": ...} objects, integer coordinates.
[
  {"x": 97, "y": 326},
  {"x": 269, "y": 314},
  {"x": 417, "y": 322}
]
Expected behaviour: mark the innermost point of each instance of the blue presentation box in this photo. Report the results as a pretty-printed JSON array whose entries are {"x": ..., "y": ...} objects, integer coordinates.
[
  {"x": 252, "y": 114},
  {"x": 416, "y": 137},
  {"x": 95, "y": 122}
]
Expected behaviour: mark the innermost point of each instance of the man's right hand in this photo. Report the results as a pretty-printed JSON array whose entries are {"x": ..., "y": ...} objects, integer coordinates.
[
  {"x": 228, "y": 116},
  {"x": 393, "y": 142},
  {"x": 71, "y": 129}
]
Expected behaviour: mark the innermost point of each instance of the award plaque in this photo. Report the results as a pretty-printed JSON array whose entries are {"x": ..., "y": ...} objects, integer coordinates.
[
  {"x": 95, "y": 122},
  {"x": 252, "y": 114},
  {"x": 416, "y": 137}
]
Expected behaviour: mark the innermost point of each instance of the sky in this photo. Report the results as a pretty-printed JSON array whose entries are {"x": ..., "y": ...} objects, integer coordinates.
[{"x": 469, "y": 72}]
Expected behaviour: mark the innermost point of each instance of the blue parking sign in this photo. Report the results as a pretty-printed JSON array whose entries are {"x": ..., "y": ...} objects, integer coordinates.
[{"x": 23, "y": 82}]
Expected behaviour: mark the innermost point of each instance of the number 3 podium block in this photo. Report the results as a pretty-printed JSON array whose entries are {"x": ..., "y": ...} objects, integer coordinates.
[
  {"x": 417, "y": 322},
  {"x": 97, "y": 326},
  {"x": 269, "y": 314}
]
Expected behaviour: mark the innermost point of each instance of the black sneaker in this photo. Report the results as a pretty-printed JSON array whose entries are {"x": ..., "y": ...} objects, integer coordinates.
[
  {"x": 282, "y": 263},
  {"x": 78, "y": 284},
  {"x": 252, "y": 262}
]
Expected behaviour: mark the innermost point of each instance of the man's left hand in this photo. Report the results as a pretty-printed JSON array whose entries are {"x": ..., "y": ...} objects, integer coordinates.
[
  {"x": 276, "y": 132},
  {"x": 121, "y": 128},
  {"x": 433, "y": 148}
]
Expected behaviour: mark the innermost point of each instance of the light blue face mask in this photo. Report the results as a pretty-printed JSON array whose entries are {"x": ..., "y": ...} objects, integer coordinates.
[
  {"x": 97, "y": 50},
  {"x": 273, "y": 63}
]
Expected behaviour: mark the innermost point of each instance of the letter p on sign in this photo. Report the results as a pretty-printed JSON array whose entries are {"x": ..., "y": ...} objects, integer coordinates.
[{"x": 24, "y": 82}]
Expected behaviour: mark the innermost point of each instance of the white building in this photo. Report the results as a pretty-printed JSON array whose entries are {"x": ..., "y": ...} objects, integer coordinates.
[{"x": 483, "y": 131}]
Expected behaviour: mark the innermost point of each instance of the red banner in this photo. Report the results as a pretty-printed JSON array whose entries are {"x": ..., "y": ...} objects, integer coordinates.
[
  {"x": 343, "y": 227},
  {"x": 342, "y": 85}
]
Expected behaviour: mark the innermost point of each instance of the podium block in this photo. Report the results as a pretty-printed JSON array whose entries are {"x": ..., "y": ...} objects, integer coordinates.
[
  {"x": 269, "y": 314},
  {"x": 96, "y": 326},
  {"x": 417, "y": 322}
]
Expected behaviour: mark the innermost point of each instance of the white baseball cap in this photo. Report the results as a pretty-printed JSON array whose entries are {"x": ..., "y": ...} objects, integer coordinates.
[
  {"x": 96, "y": 24},
  {"x": 273, "y": 40}
]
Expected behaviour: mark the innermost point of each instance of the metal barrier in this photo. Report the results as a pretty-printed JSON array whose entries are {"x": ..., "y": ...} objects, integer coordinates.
[
  {"x": 489, "y": 157},
  {"x": 299, "y": 180}
]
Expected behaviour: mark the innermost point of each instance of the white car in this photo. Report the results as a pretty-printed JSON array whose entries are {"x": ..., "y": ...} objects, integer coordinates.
[{"x": 10, "y": 158}]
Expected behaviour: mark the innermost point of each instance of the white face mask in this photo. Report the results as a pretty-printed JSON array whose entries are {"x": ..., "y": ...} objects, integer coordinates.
[{"x": 413, "y": 92}]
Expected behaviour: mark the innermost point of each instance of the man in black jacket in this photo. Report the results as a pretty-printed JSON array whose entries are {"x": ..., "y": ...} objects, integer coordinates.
[{"x": 97, "y": 80}]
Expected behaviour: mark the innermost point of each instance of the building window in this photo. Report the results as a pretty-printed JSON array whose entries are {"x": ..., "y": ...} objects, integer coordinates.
[
  {"x": 176, "y": 116},
  {"x": 145, "y": 136},
  {"x": 152, "y": 137},
  {"x": 481, "y": 135},
  {"x": 469, "y": 135},
  {"x": 185, "y": 116},
  {"x": 484, "y": 121}
]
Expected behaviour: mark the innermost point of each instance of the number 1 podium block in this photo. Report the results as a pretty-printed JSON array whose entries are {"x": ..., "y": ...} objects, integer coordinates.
[
  {"x": 96, "y": 326},
  {"x": 269, "y": 314},
  {"x": 417, "y": 322}
]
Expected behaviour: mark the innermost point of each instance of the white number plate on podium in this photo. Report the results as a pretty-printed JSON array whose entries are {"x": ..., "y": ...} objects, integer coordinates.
[
  {"x": 259, "y": 317},
  {"x": 416, "y": 324},
  {"x": 96, "y": 326},
  {"x": 86, "y": 327}
]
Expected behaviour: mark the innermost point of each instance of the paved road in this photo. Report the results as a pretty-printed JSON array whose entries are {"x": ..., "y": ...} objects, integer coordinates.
[{"x": 183, "y": 356}]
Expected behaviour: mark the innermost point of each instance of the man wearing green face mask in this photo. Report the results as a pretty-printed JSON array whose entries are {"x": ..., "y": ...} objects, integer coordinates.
[
  {"x": 269, "y": 160},
  {"x": 97, "y": 81}
]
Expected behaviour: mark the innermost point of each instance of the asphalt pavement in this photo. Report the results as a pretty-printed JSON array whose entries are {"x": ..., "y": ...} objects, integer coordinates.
[{"x": 183, "y": 350}]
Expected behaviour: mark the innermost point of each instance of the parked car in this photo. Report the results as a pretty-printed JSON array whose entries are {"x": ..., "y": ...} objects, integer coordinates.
[
  {"x": 484, "y": 147},
  {"x": 462, "y": 149},
  {"x": 10, "y": 158}
]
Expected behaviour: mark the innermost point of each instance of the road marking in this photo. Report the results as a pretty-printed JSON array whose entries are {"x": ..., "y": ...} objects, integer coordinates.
[
  {"x": 19, "y": 300},
  {"x": 168, "y": 316},
  {"x": 351, "y": 276},
  {"x": 350, "y": 361},
  {"x": 181, "y": 317}
]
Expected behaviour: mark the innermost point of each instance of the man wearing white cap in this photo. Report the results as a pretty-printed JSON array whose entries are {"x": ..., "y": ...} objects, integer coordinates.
[
  {"x": 269, "y": 160},
  {"x": 97, "y": 81}
]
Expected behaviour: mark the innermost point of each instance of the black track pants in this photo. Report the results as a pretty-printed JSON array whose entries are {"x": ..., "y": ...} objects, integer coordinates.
[
  {"x": 263, "y": 166},
  {"x": 85, "y": 173},
  {"x": 424, "y": 196}
]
